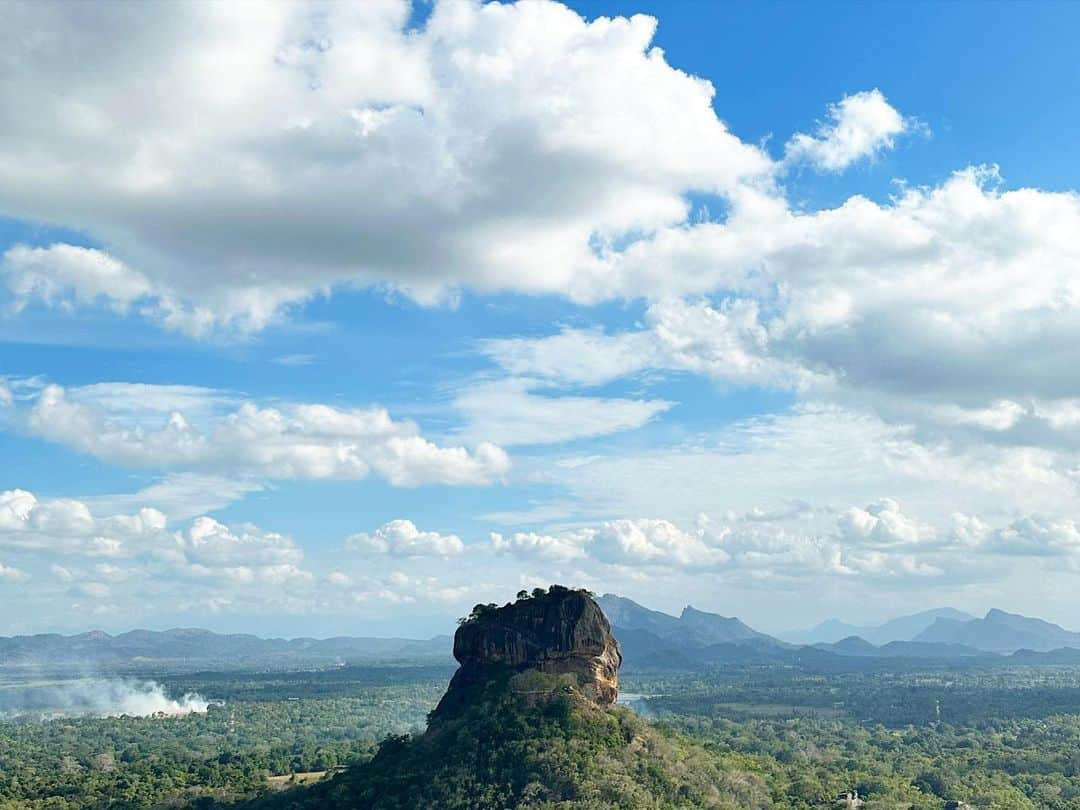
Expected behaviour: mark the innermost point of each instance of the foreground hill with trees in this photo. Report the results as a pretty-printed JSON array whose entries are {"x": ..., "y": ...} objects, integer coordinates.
[{"x": 529, "y": 722}]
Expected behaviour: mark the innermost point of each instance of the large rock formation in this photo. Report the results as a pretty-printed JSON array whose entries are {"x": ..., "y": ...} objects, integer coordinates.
[{"x": 559, "y": 632}]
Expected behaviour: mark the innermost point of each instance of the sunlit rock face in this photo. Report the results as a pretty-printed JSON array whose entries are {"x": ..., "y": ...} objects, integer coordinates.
[{"x": 561, "y": 632}]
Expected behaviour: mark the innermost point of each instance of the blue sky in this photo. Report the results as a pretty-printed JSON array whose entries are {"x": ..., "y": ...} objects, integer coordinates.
[{"x": 354, "y": 316}]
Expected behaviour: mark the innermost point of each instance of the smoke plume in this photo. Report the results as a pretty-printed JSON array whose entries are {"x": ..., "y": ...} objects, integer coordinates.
[{"x": 98, "y": 697}]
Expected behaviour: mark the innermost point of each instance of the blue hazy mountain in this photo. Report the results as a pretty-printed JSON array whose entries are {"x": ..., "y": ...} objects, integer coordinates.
[
  {"x": 692, "y": 627},
  {"x": 902, "y": 628},
  {"x": 1001, "y": 632},
  {"x": 193, "y": 647}
]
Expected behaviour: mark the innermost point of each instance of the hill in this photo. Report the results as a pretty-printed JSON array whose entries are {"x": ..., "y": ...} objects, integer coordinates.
[
  {"x": 855, "y": 646},
  {"x": 186, "y": 648},
  {"x": 692, "y": 628},
  {"x": 655, "y": 640},
  {"x": 529, "y": 722},
  {"x": 1001, "y": 632}
]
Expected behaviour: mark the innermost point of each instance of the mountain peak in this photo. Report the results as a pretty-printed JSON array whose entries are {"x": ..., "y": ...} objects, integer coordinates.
[
  {"x": 691, "y": 612},
  {"x": 1002, "y": 632},
  {"x": 93, "y": 635}
]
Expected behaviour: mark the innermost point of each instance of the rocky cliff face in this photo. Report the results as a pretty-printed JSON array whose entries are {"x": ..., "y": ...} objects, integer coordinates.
[{"x": 560, "y": 632}]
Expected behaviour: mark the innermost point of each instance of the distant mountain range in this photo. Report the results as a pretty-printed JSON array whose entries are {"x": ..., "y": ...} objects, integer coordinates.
[
  {"x": 654, "y": 640},
  {"x": 692, "y": 627},
  {"x": 650, "y": 640},
  {"x": 1001, "y": 632},
  {"x": 997, "y": 632},
  {"x": 904, "y": 628},
  {"x": 194, "y": 648},
  {"x": 659, "y": 641}
]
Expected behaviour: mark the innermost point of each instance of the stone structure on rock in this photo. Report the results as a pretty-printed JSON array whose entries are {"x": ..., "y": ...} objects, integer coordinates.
[{"x": 559, "y": 631}]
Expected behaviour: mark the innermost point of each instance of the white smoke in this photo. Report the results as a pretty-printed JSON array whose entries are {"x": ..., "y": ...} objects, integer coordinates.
[{"x": 98, "y": 697}]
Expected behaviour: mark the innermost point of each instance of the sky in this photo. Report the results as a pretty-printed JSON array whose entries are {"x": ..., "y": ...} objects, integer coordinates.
[{"x": 335, "y": 318}]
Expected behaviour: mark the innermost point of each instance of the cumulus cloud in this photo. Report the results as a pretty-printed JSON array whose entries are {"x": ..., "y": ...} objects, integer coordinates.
[
  {"x": 834, "y": 458},
  {"x": 65, "y": 275},
  {"x": 1031, "y": 535},
  {"x": 111, "y": 562},
  {"x": 881, "y": 524},
  {"x": 847, "y": 305},
  {"x": 741, "y": 548},
  {"x": 294, "y": 441},
  {"x": 207, "y": 542},
  {"x": 401, "y": 538},
  {"x": 626, "y": 542},
  {"x": 860, "y": 126},
  {"x": 653, "y": 541},
  {"x": 204, "y": 550},
  {"x": 542, "y": 546},
  {"x": 333, "y": 146},
  {"x": 26, "y": 522}
]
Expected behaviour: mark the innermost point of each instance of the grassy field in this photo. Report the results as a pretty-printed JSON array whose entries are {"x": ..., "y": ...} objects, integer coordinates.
[{"x": 288, "y": 780}]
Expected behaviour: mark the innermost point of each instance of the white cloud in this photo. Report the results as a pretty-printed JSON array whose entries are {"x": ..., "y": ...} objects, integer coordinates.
[
  {"x": 542, "y": 546},
  {"x": 779, "y": 554},
  {"x": 24, "y": 520},
  {"x": 849, "y": 305},
  {"x": 653, "y": 541},
  {"x": 205, "y": 548},
  {"x": 294, "y": 441},
  {"x": 574, "y": 355},
  {"x": 179, "y": 495},
  {"x": 1036, "y": 535},
  {"x": 208, "y": 543},
  {"x": 501, "y": 151},
  {"x": 744, "y": 549},
  {"x": 65, "y": 275},
  {"x": 339, "y": 579},
  {"x": 997, "y": 416},
  {"x": 136, "y": 562},
  {"x": 399, "y": 588},
  {"x": 401, "y": 538},
  {"x": 295, "y": 359},
  {"x": 830, "y": 456},
  {"x": 726, "y": 342},
  {"x": 638, "y": 542},
  {"x": 509, "y": 413},
  {"x": 881, "y": 524},
  {"x": 15, "y": 508},
  {"x": 11, "y": 574},
  {"x": 861, "y": 126}
]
